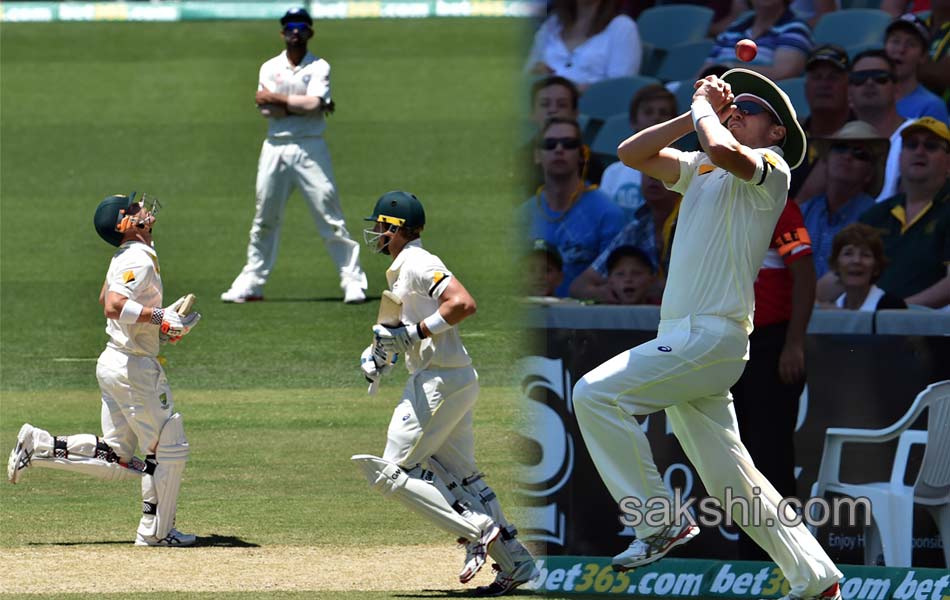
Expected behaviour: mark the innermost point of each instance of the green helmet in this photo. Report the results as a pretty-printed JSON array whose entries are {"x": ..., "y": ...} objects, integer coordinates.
[
  {"x": 399, "y": 208},
  {"x": 108, "y": 215}
]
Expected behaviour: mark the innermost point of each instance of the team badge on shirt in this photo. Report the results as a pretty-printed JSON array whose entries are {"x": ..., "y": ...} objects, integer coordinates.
[
  {"x": 771, "y": 158},
  {"x": 703, "y": 169},
  {"x": 128, "y": 277}
]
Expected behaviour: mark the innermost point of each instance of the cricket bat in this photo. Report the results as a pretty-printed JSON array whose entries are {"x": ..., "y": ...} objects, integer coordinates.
[
  {"x": 186, "y": 304},
  {"x": 390, "y": 313}
]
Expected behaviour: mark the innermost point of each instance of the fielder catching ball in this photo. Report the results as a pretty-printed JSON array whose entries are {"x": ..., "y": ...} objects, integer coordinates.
[
  {"x": 137, "y": 407},
  {"x": 733, "y": 193},
  {"x": 429, "y": 461}
]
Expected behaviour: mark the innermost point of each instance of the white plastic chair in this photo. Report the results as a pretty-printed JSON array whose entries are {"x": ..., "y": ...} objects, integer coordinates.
[{"x": 892, "y": 503}]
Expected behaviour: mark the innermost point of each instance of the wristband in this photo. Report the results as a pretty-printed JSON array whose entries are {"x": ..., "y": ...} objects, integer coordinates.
[
  {"x": 701, "y": 108},
  {"x": 130, "y": 312},
  {"x": 436, "y": 323},
  {"x": 158, "y": 315}
]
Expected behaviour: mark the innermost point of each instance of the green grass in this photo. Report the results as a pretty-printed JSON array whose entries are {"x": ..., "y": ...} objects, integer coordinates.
[
  {"x": 271, "y": 394},
  {"x": 168, "y": 108}
]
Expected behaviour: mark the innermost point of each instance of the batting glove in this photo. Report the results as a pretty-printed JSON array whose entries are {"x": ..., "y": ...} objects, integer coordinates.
[
  {"x": 397, "y": 339},
  {"x": 162, "y": 336},
  {"x": 176, "y": 326}
]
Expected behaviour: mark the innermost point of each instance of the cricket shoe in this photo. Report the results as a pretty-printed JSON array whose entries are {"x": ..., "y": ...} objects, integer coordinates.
[
  {"x": 21, "y": 454},
  {"x": 174, "y": 539},
  {"x": 241, "y": 296},
  {"x": 654, "y": 547},
  {"x": 476, "y": 553},
  {"x": 832, "y": 593},
  {"x": 506, "y": 581},
  {"x": 353, "y": 293}
]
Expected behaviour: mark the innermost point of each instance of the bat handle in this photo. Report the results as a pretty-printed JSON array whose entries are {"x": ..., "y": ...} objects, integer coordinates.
[{"x": 373, "y": 388}]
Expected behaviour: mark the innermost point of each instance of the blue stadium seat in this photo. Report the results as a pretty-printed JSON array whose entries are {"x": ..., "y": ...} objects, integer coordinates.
[
  {"x": 851, "y": 28},
  {"x": 670, "y": 24},
  {"x": 795, "y": 88},
  {"x": 615, "y": 129},
  {"x": 684, "y": 94},
  {"x": 611, "y": 96},
  {"x": 684, "y": 60},
  {"x": 851, "y": 4}
]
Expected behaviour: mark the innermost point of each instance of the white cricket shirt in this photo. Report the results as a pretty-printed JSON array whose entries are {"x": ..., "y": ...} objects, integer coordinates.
[
  {"x": 419, "y": 277},
  {"x": 310, "y": 78},
  {"x": 723, "y": 232},
  {"x": 134, "y": 273}
]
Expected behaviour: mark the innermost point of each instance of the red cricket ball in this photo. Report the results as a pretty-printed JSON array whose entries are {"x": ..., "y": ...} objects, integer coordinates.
[{"x": 746, "y": 50}]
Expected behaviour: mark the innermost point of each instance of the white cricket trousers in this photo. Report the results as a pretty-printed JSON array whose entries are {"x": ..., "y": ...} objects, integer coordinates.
[
  {"x": 303, "y": 163},
  {"x": 687, "y": 371},
  {"x": 136, "y": 401},
  {"x": 434, "y": 418}
]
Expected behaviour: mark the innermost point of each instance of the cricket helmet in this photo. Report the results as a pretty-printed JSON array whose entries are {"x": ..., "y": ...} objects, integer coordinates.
[
  {"x": 112, "y": 219},
  {"x": 108, "y": 214},
  {"x": 399, "y": 208}
]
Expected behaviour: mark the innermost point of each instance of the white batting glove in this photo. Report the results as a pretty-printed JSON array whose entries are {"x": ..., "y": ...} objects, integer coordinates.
[
  {"x": 163, "y": 337},
  {"x": 176, "y": 326},
  {"x": 374, "y": 363},
  {"x": 396, "y": 339}
]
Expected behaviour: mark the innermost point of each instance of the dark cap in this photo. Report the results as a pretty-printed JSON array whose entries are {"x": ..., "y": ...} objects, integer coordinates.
[
  {"x": 296, "y": 15},
  {"x": 830, "y": 53},
  {"x": 910, "y": 22}
]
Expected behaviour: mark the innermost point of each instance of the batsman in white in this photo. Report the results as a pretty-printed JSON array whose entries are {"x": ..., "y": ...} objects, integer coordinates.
[
  {"x": 294, "y": 94},
  {"x": 429, "y": 461},
  {"x": 137, "y": 407},
  {"x": 733, "y": 193}
]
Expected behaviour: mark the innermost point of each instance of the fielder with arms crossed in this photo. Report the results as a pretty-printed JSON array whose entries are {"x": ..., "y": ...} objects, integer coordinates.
[
  {"x": 733, "y": 193},
  {"x": 137, "y": 407},
  {"x": 429, "y": 461}
]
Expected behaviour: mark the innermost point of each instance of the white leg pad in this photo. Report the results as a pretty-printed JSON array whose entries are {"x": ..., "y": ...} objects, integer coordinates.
[
  {"x": 160, "y": 490},
  {"x": 480, "y": 498},
  {"x": 82, "y": 453},
  {"x": 423, "y": 495}
]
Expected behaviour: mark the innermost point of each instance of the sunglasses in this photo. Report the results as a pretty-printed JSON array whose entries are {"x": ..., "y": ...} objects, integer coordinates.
[
  {"x": 879, "y": 76},
  {"x": 749, "y": 108},
  {"x": 929, "y": 145},
  {"x": 857, "y": 152},
  {"x": 296, "y": 26},
  {"x": 566, "y": 143}
]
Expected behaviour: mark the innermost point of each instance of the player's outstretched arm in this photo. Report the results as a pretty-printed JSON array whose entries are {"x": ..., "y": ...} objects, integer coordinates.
[{"x": 647, "y": 151}]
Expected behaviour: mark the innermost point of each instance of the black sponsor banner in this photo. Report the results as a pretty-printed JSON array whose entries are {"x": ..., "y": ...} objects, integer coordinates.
[{"x": 855, "y": 381}]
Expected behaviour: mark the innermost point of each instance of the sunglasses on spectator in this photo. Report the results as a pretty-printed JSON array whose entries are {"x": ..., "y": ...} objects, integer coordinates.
[
  {"x": 879, "y": 76},
  {"x": 566, "y": 143},
  {"x": 929, "y": 145},
  {"x": 857, "y": 152},
  {"x": 749, "y": 108}
]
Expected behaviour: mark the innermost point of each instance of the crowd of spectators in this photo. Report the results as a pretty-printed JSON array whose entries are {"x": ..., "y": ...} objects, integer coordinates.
[{"x": 873, "y": 192}]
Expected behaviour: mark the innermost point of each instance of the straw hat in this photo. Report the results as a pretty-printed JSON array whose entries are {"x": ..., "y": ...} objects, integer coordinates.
[{"x": 864, "y": 133}]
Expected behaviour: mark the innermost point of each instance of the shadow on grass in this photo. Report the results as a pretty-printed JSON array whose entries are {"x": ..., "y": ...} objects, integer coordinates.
[{"x": 206, "y": 541}]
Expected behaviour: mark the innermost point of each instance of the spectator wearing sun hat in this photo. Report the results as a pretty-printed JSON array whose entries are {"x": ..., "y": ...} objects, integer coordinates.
[{"x": 855, "y": 157}]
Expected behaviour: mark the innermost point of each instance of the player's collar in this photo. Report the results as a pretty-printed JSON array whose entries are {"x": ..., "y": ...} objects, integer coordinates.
[{"x": 397, "y": 262}]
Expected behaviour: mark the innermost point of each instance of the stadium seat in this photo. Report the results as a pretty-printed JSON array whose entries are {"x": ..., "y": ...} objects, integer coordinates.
[
  {"x": 683, "y": 61},
  {"x": 614, "y": 130},
  {"x": 684, "y": 94},
  {"x": 611, "y": 96},
  {"x": 795, "y": 88},
  {"x": 851, "y": 28},
  {"x": 667, "y": 25},
  {"x": 892, "y": 502},
  {"x": 852, "y": 4}
]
